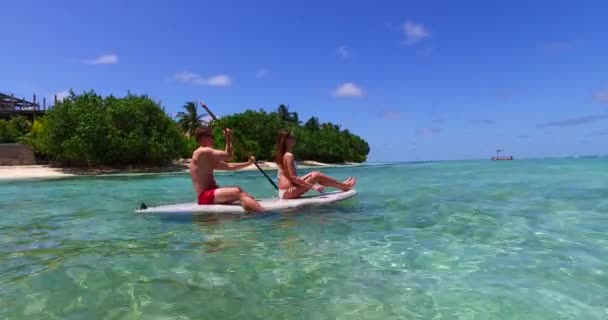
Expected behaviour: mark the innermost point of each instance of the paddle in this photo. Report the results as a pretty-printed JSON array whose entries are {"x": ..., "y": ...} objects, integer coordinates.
[{"x": 255, "y": 162}]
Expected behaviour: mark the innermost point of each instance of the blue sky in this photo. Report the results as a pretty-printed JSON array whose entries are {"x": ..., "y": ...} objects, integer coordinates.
[{"x": 419, "y": 80}]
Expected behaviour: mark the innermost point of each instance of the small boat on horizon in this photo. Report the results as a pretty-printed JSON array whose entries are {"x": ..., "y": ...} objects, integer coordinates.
[{"x": 498, "y": 157}]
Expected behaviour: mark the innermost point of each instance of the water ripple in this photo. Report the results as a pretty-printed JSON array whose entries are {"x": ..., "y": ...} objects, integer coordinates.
[{"x": 443, "y": 240}]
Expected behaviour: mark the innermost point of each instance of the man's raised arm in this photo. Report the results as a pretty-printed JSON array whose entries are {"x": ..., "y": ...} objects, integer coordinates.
[
  {"x": 227, "y": 154},
  {"x": 228, "y": 138}
]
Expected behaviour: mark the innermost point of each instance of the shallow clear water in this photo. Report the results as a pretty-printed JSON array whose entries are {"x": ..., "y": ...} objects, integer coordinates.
[{"x": 524, "y": 239}]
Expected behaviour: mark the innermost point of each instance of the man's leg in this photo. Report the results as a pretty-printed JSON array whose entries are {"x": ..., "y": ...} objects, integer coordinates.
[
  {"x": 326, "y": 181},
  {"x": 231, "y": 194}
]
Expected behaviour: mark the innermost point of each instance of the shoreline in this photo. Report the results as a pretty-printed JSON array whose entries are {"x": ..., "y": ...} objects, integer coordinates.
[{"x": 19, "y": 172}]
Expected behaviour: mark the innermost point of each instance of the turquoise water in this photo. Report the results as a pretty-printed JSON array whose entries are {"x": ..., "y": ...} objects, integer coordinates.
[{"x": 524, "y": 239}]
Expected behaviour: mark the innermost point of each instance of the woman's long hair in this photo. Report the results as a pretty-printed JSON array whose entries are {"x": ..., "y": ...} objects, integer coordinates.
[{"x": 281, "y": 147}]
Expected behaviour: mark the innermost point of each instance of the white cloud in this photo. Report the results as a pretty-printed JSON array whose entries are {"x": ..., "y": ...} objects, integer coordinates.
[
  {"x": 414, "y": 32},
  {"x": 220, "y": 80},
  {"x": 105, "y": 59},
  {"x": 343, "y": 52},
  {"x": 189, "y": 77},
  {"x": 348, "y": 90},
  {"x": 601, "y": 96},
  {"x": 262, "y": 73}
]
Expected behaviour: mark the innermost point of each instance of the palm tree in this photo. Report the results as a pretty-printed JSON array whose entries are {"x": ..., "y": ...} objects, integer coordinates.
[
  {"x": 330, "y": 126},
  {"x": 190, "y": 120},
  {"x": 312, "y": 124},
  {"x": 284, "y": 114}
]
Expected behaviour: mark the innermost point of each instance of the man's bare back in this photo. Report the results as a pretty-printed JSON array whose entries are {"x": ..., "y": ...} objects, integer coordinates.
[
  {"x": 201, "y": 170},
  {"x": 205, "y": 160}
]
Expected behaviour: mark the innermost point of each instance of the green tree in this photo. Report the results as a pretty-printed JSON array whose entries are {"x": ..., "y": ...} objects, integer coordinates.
[
  {"x": 76, "y": 130},
  {"x": 32, "y": 138},
  {"x": 139, "y": 129},
  {"x": 19, "y": 126},
  {"x": 257, "y": 130},
  {"x": 312, "y": 124},
  {"x": 190, "y": 120},
  {"x": 88, "y": 129},
  {"x": 323, "y": 142},
  {"x": 285, "y": 115},
  {"x": 14, "y": 129},
  {"x": 4, "y": 136}
]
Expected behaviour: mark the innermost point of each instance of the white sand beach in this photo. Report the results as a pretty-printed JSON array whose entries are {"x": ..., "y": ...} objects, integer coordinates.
[
  {"x": 30, "y": 172},
  {"x": 48, "y": 172}
]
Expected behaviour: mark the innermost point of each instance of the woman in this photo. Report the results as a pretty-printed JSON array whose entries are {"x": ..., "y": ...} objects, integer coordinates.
[{"x": 290, "y": 185}]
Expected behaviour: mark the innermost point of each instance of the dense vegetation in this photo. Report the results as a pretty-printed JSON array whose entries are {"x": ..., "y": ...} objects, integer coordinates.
[
  {"x": 324, "y": 142},
  {"x": 14, "y": 129},
  {"x": 88, "y": 129}
]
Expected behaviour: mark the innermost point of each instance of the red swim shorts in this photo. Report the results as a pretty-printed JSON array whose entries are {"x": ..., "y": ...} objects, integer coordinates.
[{"x": 206, "y": 197}]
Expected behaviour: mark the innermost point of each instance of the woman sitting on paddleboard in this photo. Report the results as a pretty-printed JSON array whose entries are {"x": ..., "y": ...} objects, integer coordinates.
[{"x": 290, "y": 185}]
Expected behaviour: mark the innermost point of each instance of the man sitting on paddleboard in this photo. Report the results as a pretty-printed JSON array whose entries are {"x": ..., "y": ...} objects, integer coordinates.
[
  {"x": 205, "y": 160},
  {"x": 290, "y": 185}
]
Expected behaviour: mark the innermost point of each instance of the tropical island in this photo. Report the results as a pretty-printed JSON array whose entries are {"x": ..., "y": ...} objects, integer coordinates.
[{"x": 90, "y": 134}]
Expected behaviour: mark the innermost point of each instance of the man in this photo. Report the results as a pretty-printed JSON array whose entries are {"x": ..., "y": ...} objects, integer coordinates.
[{"x": 205, "y": 160}]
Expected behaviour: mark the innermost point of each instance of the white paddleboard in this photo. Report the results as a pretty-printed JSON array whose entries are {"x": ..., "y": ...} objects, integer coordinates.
[{"x": 271, "y": 204}]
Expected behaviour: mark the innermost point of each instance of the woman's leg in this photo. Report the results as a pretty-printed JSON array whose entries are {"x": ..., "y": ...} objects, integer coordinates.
[
  {"x": 326, "y": 181},
  {"x": 295, "y": 193},
  {"x": 322, "y": 179}
]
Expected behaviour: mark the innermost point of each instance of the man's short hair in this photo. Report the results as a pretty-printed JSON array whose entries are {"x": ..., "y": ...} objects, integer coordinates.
[{"x": 204, "y": 132}]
